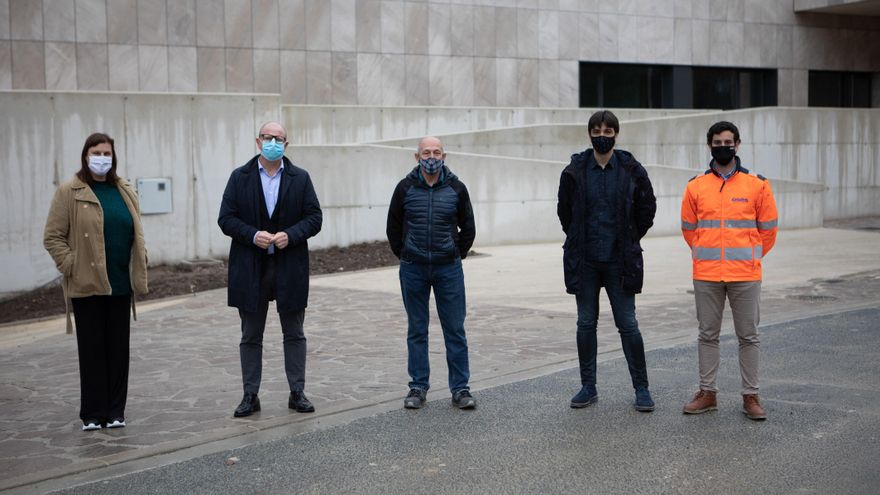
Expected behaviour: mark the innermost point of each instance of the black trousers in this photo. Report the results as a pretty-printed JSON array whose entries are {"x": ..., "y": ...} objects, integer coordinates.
[
  {"x": 252, "y": 328},
  {"x": 102, "y": 338}
]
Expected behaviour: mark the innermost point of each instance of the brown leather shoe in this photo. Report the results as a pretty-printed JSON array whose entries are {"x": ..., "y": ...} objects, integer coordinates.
[
  {"x": 704, "y": 401},
  {"x": 752, "y": 408}
]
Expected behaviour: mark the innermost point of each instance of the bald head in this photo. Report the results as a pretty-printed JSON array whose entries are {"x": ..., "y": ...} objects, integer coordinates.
[
  {"x": 273, "y": 128},
  {"x": 430, "y": 142}
]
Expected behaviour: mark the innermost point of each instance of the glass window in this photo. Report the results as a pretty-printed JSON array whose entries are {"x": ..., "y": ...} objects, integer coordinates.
[{"x": 839, "y": 89}]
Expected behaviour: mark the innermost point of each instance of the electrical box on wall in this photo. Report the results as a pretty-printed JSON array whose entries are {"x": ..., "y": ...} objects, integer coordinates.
[{"x": 155, "y": 195}]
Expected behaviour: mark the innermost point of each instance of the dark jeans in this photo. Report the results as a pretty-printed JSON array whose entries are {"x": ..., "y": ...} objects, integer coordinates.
[
  {"x": 447, "y": 280},
  {"x": 102, "y": 338},
  {"x": 623, "y": 306},
  {"x": 251, "y": 346}
]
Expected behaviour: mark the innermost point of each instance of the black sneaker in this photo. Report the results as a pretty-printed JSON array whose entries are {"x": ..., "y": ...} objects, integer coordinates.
[
  {"x": 415, "y": 399},
  {"x": 462, "y": 399}
]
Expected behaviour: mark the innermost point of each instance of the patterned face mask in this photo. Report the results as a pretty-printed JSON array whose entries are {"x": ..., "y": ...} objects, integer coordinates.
[{"x": 431, "y": 165}]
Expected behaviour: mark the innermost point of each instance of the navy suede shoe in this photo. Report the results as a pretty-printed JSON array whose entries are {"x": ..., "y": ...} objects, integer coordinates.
[
  {"x": 585, "y": 397},
  {"x": 644, "y": 403}
]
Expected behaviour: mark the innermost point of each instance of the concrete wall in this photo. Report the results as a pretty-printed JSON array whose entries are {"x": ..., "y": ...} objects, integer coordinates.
[
  {"x": 195, "y": 140},
  {"x": 392, "y": 52},
  {"x": 836, "y": 147},
  {"x": 337, "y": 124}
]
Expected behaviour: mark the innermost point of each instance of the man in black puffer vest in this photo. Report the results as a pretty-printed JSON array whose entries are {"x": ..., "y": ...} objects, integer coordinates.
[
  {"x": 606, "y": 205},
  {"x": 431, "y": 229}
]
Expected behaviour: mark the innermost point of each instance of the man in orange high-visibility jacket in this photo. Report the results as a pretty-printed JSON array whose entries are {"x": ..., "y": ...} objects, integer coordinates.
[{"x": 728, "y": 218}]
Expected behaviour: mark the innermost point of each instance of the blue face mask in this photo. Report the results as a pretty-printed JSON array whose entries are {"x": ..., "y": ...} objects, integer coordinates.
[
  {"x": 431, "y": 165},
  {"x": 273, "y": 150}
]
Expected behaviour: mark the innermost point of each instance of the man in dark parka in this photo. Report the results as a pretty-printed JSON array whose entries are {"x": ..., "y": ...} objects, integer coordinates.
[
  {"x": 269, "y": 210},
  {"x": 606, "y": 205}
]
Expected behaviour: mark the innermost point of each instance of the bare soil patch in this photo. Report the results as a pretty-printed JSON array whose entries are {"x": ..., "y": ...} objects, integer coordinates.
[{"x": 179, "y": 279}]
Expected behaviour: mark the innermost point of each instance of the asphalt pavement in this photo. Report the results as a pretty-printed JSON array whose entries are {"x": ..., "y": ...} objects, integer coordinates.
[{"x": 819, "y": 386}]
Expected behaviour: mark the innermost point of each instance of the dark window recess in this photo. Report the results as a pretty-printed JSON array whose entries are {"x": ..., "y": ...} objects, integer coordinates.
[
  {"x": 839, "y": 89},
  {"x": 674, "y": 86}
]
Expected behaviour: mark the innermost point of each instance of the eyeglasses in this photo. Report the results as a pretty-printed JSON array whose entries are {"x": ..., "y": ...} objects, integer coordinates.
[{"x": 269, "y": 137}]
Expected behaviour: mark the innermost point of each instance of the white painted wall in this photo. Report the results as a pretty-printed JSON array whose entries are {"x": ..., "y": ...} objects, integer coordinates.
[
  {"x": 836, "y": 147},
  {"x": 196, "y": 140},
  {"x": 339, "y": 124}
]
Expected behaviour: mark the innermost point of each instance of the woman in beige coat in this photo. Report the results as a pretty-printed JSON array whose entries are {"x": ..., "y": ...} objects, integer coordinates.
[{"x": 95, "y": 237}]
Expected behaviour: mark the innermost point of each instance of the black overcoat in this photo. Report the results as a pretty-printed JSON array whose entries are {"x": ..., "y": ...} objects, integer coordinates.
[{"x": 299, "y": 215}]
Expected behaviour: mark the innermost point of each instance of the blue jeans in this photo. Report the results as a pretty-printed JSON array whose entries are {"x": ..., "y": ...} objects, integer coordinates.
[
  {"x": 623, "y": 306},
  {"x": 447, "y": 280}
]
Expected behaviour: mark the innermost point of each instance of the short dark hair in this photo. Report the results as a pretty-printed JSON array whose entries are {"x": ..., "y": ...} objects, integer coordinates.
[
  {"x": 84, "y": 173},
  {"x": 718, "y": 128},
  {"x": 604, "y": 117}
]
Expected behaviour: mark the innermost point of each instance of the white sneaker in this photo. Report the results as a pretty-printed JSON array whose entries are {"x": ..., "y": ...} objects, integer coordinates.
[
  {"x": 116, "y": 423},
  {"x": 90, "y": 426}
]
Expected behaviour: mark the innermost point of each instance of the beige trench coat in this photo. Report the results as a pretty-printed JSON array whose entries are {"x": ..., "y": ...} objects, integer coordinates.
[{"x": 74, "y": 237}]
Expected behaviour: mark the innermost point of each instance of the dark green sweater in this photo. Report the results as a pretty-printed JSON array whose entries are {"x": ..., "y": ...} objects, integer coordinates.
[{"x": 118, "y": 236}]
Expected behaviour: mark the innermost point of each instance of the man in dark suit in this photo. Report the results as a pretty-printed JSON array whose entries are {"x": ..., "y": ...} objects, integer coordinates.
[{"x": 269, "y": 210}]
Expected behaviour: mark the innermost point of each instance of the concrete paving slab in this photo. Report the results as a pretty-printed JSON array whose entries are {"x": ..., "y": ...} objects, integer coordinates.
[{"x": 185, "y": 377}]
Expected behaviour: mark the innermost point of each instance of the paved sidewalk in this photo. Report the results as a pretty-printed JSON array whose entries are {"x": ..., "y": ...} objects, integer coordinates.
[{"x": 185, "y": 378}]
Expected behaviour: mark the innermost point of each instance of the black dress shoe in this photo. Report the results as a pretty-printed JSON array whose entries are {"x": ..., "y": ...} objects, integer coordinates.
[
  {"x": 250, "y": 404},
  {"x": 299, "y": 402}
]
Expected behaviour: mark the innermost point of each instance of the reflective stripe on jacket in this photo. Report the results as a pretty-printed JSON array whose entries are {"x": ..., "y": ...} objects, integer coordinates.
[{"x": 729, "y": 225}]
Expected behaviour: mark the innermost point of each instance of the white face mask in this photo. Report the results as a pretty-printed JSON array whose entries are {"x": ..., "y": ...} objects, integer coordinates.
[{"x": 100, "y": 165}]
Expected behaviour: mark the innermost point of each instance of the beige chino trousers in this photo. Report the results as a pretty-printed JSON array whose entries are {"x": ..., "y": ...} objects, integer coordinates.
[{"x": 745, "y": 299}]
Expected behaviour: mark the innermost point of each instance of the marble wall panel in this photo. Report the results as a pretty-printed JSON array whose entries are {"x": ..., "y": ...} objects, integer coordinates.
[
  {"x": 736, "y": 43},
  {"x": 182, "y": 23},
  {"x": 717, "y": 9},
  {"x": 768, "y": 45},
  {"x": 344, "y": 78},
  {"x": 317, "y": 25},
  {"x": 526, "y": 33},
  {"x": 343, "y": 16},
  {"x": 548, "y": 83},
  {"x": 759, "y": 11},
  {"x": 485, "y": 87},
  {"x": 608, "y": 37},
  {"x": 26, "y": 20},
  {"x": 484, "y": 31},
  {"x": 123, "y": 67},
  {"x": 416, "y": 28},
  {"x": 183, "y": 68},
  {"x": 628, "y": 39},
  {"x": 91, "y": 21},
  {"x": 292, "y": 24},
  {"x": 462, "y": 81},
  {"x": 319, "y": 89},
  {"x": 60, "y": 66},
  {"x": 417, "y": 84},
  {"x": 266, "y": 24},
  {"x": 785, "y": 46},
  {"x": 700, "y": 43},
  {"x": 212, "y": 69},
  {"x": 91, "y": 67},
  {"x": 505, "y": 32},
  {"x": 568, "y": 37},
  {"x": 439, "y": 29},
  {"x": 369, "y": 79},
  {"x": 210, "y": 26},
  {"x": 152, "y": 24},
  {"x": 569, "y": 83},
  {"x": 59, "y": 21},
  {"x": 658, "y": 39},
  {"x": 293, "y": 77},
  {"x": 735, "y": 10},
  {"x": 527, "y": 83},
  {"x": 752, "y": 50},
  {"x": 239, "y": 70},
  {"x": 548, "y": 34},
  {"x": 683, "y": 9},
  {"x": 369, "y": 27},
  {"x": 462, "y": 29},
  {"x": 683, "y": 42},
  {"x": 506, "y": 93},
  {"x": 5, "y": 64},
  {"x": 440, "y": 80},
  {"x": 238, "y": 24},
  {"x": 28, "y": 65},
  {"x": 589, "y": 36},
  {"x": 267, "y": 71},
  {"x": 393, "y": 79},
  {"x": 4, "y": 25},
  {"x": 700, "y": 9},
  {"x": 393, "y": 27},
  {"x": 719, "y": 51},
  {"x": 153, "y": 68},
  {"x": 799, "y": 87}
]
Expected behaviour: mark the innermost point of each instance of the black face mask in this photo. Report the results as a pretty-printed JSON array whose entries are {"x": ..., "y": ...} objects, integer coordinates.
[
  {"x": 602, "y": 144},
  {"x": 723, "y": 154}
]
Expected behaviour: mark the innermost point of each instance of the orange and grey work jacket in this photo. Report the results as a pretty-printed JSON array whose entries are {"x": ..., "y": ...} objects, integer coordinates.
[{"x": 729, "y": 225}]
